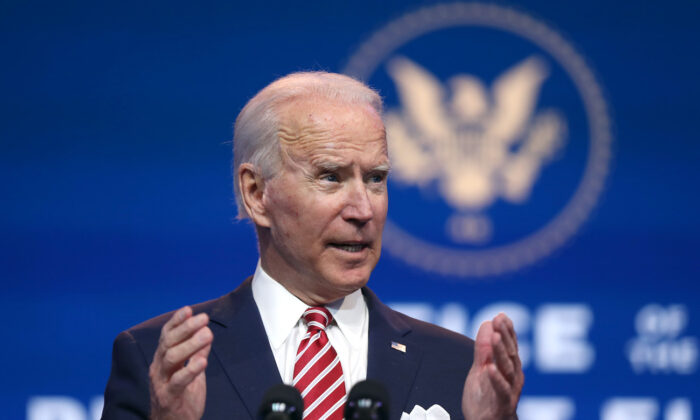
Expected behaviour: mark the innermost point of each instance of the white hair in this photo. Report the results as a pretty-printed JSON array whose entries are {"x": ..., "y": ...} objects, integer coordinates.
[{"x": 255, "y": 138}]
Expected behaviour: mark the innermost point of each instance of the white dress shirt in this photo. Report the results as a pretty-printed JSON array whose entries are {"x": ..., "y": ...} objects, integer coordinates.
[{"x": 281, "y": 314}]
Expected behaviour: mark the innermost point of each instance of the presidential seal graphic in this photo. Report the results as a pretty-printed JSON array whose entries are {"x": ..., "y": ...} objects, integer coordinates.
[{"x": 498, "y": 133}]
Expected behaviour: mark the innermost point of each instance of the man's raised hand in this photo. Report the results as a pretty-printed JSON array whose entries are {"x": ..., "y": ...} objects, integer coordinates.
[
  {"x": 178, "y": 385},
  {"x": 494, "y": 383}
]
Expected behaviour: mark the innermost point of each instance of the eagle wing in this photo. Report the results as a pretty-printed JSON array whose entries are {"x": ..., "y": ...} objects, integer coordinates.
[
  {"x": 411, "y": 162},
  {"x": 422, "y": 97},
  {"x": 515, "y": 94}
]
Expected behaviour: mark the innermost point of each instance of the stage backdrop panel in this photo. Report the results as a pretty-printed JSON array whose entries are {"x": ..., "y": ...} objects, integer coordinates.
[{"x": 544, "y": 164}]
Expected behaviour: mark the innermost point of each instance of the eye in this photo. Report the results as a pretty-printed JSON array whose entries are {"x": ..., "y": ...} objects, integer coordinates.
[
  {"x": 377, "y": 178},
  {"x": 330, "y": 177}
]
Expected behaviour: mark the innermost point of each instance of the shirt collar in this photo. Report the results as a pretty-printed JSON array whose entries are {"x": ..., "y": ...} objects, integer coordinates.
[
  {"x": 280, "y": 310},
  {"x": 350, "y": 314}
]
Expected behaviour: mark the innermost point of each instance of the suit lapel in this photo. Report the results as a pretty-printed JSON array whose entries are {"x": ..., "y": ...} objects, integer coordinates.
[
  {"x": 394, "y": 368},
  {"x": 241, "y": 346},
  {"x": 239, "y": 336}
]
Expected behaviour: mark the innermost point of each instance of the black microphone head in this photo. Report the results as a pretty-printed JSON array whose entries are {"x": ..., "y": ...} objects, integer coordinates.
[
  {"x": 368, "y": 400},
  {"x": 281, "y": 402}
]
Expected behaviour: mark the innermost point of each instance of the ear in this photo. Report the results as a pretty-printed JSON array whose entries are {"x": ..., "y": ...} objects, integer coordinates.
[{"x": 252, "y": 188}]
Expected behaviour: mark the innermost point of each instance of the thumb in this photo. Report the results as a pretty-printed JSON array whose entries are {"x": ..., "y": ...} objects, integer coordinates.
[{"x": 483, "y": 349}]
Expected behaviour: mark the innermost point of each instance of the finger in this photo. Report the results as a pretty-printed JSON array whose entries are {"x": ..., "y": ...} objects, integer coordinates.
[
  {"x": 174, "y": 358},
  {"x": 185, "y": 375},
  {"x": 511, "y": 328},
  {"x": 204, "y": 351},
  {"x": 185, "y": 330},
  {"x": 180, "y": 316},
  {"x": 501, "y": 358},
  {"x": 503, "y": 325},
  {"x": 507, "y": 324},
  {"x": 499, "y": 383}
]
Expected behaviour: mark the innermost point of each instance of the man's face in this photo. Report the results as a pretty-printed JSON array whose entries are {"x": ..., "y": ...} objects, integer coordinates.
[{"x": 327, "y": 206}]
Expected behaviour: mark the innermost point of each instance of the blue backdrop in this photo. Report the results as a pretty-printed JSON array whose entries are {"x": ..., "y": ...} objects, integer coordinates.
[{"x": 117, "y": 203}]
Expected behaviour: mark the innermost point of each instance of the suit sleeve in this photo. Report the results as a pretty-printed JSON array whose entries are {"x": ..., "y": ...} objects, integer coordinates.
[{"x": 127, "y": 392}]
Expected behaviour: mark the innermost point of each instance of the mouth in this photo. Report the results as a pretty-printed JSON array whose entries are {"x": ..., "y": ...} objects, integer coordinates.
[{"x": 350, "y": 246}]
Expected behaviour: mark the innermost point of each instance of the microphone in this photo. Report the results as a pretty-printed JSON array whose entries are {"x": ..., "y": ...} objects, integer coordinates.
[
  {"x": 281, "y": 402},
  {"x": 368, "y": 400}
]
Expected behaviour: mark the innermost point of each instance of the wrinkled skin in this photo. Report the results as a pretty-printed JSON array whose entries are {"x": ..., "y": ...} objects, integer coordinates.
[
  {"x": 320, "y": 218},
  {"x": 495, "y": 381},
  {"x": 178, "y": 385}
]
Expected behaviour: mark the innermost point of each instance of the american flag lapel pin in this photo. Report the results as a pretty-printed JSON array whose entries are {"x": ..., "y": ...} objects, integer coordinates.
[{"x": 398, "y": 346}]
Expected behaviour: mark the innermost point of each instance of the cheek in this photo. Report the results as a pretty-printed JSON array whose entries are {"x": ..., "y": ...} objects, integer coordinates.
[
  {"x": 283, "y": 214},
  {"x": 295, "y": 218},
  {"x": 381, "y": 206},
  {"x": 281, "y": 202}
]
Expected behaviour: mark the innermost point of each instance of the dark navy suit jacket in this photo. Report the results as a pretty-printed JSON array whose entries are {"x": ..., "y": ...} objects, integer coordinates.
[{"x": 241, "y": 365}]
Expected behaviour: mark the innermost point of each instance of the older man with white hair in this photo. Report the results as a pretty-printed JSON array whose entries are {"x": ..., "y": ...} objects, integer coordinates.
[{"x": 310, "y": 172}]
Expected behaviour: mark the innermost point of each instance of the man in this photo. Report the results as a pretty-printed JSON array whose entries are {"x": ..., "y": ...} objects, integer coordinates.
[{"x": 310, "y": 169}]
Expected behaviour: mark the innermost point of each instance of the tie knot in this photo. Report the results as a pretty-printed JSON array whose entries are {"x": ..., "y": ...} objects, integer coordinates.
[{"x": 317, "y": 318}]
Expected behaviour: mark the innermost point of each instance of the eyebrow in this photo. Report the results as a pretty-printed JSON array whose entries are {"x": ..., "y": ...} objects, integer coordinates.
[
  {"x": 384, "y": 167},
  {"x": 328, "y": 165},
  {"x": 331, "y": 166}
]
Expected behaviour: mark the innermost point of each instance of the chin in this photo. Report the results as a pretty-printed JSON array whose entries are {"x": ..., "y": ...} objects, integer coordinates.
[
  {"x": 340, "y": 280},
  {"x": 354, "y": 279}
]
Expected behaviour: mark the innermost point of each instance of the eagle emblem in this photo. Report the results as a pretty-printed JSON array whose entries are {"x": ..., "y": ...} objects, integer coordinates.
[{"x": 475, "y": 144}]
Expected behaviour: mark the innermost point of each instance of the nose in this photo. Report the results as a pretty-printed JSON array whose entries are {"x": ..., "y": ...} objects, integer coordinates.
[{"x": 358, "y": 208}]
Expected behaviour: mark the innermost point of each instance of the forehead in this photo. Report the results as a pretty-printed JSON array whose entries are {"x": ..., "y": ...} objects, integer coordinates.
[{"x": 309, "y": 126}]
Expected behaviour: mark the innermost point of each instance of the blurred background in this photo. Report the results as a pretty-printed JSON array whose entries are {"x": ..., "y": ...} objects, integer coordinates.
[{"x": 545, "y": 163}]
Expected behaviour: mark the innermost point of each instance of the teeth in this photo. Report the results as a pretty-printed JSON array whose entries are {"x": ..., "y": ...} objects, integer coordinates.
[{"x": 350, "y": 248}]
